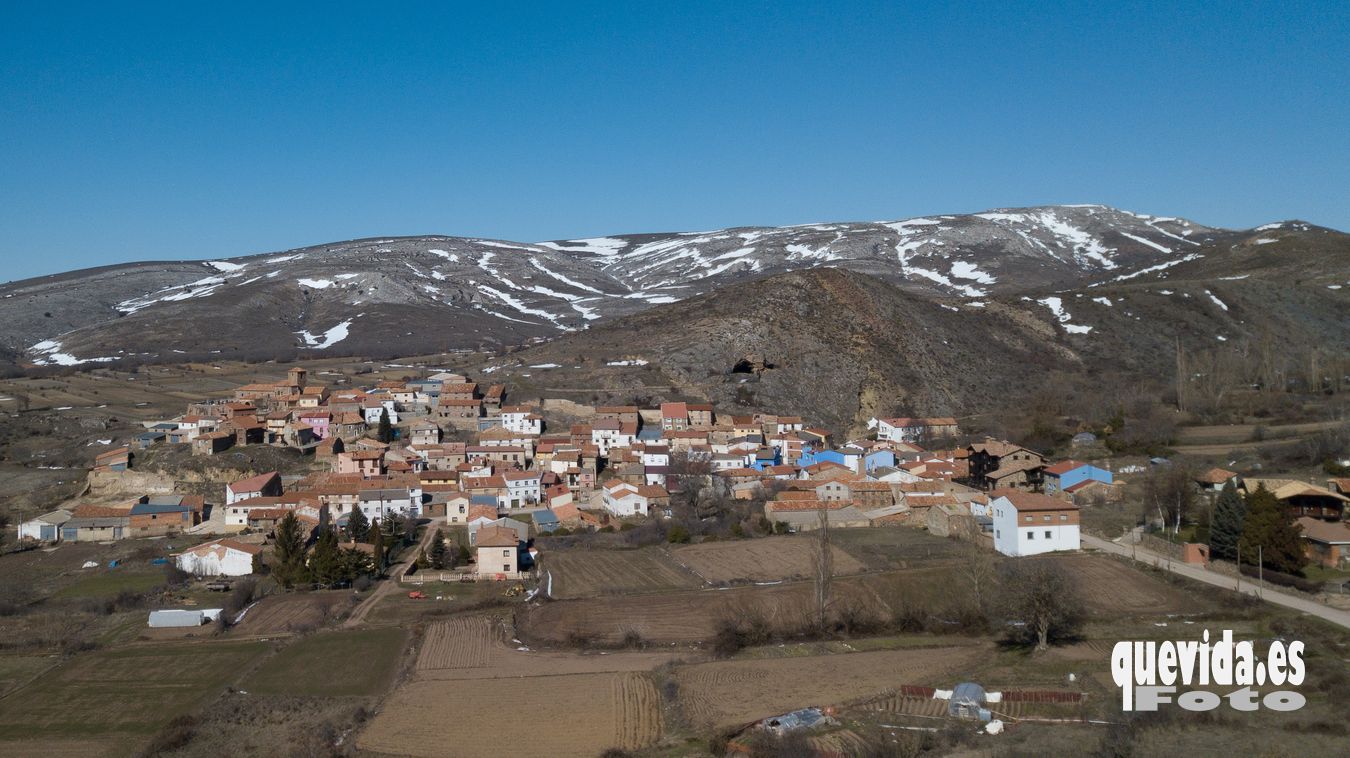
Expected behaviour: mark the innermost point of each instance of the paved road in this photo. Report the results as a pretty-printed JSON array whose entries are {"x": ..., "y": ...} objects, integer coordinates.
[
  {"x": 391, "y": 584},
  {"x": 1221, "y": 580}
]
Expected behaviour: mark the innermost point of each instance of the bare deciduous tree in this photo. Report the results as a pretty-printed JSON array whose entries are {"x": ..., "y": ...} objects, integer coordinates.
[{"x": 824, "y": 560}]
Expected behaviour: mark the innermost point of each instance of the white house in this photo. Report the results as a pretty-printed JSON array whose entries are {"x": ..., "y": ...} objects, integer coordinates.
[
  {"x": 374, "y": 407},
  {"x": 385, "y": 503},
  {"x": 624, "y": 499},
  {"x": 1029, "y": 523},
  {"x": 911, "y": 429},
  {"x": 522, "y": 419},
  {"x": 609, "y": 433},
  {"x": 219, "y": 558},
  {"x": 522, "y": 488},
  {"x": 262, "y": 485},
  {"x": 655, "y": 455}
]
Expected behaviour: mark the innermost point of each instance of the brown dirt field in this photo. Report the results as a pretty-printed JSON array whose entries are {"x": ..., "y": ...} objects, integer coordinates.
[
  {"x": 1110, "y": 587},
  {"x": 579, "y": 714},
  {"x": 476, "y": 647},
  {"x": 728, "y": 693},
  {"x": 692, "y": 616},
  {"x": 585, "y": 573},
  {"x": 465, "y": 642},
  {"x": 761, "y": 560},
  {"x": 280, "y": 614}
]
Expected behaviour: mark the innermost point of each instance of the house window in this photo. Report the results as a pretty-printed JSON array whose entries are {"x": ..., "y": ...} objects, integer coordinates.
[
  {"x": 1046, "y": 517},
  {"x": 1026, "y": 518},
  {"x": 1047, "y": 534},
  {"x": 1063, "y": 517},
  {"x": 998, "y": 534},
  {"x": 506, "y": 553},
  {"x": 1031, "y": 535}
]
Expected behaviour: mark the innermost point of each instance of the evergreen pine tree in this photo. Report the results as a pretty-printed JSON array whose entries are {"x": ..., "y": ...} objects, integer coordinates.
[
  {"x": 289, "y": 551},
  {"x": 1226, "y": 526},
  {"x": 437, "y": 556},
  {"x": 325, "y": 562},
  {"x": 355, "y": 563},
  {"x": 386, "y": 433},
  {"x": 1270, "y": 527},
  {"x": 358, "y": 526}
]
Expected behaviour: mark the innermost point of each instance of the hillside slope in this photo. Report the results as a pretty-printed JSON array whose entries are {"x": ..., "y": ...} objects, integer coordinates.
[{"x": 420, "y": 294}]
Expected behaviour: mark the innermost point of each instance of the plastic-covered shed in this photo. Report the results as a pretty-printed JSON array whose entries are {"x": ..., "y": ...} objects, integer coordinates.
[{"x": 967, "y": 702}]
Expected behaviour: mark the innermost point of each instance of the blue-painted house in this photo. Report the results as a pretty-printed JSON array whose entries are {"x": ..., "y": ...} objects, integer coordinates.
[
  {"x": 878, "y": 458},
  {"x": 1065, "y": 474},
  {"x": 767, "y": 456}
]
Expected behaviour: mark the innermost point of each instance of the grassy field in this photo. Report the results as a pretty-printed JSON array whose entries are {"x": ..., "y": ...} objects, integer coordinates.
[
  {"x": 119, "y": 698},
  {"x": 111, "y": 582},
  {"x": 360, "y": 662}
]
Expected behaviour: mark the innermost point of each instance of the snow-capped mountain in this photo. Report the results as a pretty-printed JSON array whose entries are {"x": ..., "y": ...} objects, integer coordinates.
[{"x": 429, "y": 294}]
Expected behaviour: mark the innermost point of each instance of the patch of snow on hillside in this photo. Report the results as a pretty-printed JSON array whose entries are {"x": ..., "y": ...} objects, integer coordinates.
[
  {"x": 1148, "y": 242},
  {"x": 1056, "y": 307},
  {"x": 1159, "y": 267},
  {"x": 438, "y": 276},
  {"x": 964, "y": 289},
  {"x": 346, "y": 276},
  {"x": 1103, "y": 300},
  {"x": 519, "y": 305},
  {"x": 803, "y": 251},
  {"x": 225, "y": 266},
  {"x": 632, "y": 362},
  {"x": 1264, "y": 241},
  {"x": 1083, "y": 244},
  {"x": 1015, "y": 218},
  {"x": 446, "y": 254},
  {"x": 603, "y": 246},
  {"x": 545, "y": 365},
  {"x": 967, "y": 270},
  {"x": 1233, "y": 278},
  {"x": 587, "y": 313},
  {"x": 507, "y": 245},
  {"x": 327, "y": 339},
  {"x": 1268, "y": 227},
  {"x": 284, "y": 258},
  {"x": 1216, "y": 300},
  {"x": 565, "y": 280},
  {"x": 315, "y": 284}
]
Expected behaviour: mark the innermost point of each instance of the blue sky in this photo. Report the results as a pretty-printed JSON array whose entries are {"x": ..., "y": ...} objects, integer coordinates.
[{"x": 162, "y": 132}]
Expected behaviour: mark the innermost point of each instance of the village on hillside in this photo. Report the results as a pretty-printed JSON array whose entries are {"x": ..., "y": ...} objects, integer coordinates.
[
  {"x": 447, "y": 452},
  {"x": 654, "y": 578}
]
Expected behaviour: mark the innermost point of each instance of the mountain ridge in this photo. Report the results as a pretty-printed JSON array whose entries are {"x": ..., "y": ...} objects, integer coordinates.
[{"x": 434, "y": 293}]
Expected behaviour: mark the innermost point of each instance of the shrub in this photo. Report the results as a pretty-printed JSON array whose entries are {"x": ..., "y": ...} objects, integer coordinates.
[{"x": 678, "y": 534}]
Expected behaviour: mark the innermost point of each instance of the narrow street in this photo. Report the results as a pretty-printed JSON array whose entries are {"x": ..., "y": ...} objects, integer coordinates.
[
  {"x": 391, "y": 584},
  {"x": 1248, "y": 586}
]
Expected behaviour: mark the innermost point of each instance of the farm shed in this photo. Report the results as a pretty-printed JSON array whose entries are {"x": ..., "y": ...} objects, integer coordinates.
[{"x": 176, "y": 618}]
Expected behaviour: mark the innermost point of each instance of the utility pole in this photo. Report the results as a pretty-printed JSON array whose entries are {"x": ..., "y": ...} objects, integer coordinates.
[{"x": 1260, "y": 572}]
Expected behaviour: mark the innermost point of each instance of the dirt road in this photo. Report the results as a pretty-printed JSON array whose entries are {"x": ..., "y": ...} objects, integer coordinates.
[
  {"x": 391, "y": 584},
  {"x": 1247, "y": 587}
]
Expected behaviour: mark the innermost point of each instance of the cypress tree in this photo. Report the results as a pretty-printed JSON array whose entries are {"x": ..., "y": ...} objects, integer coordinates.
[
  {"x": 386, "y": 433},
  {"x": 1226, "y": 527},
  {"x": 1270, "y": 527},
  {"x": 377, "y": 543}
]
